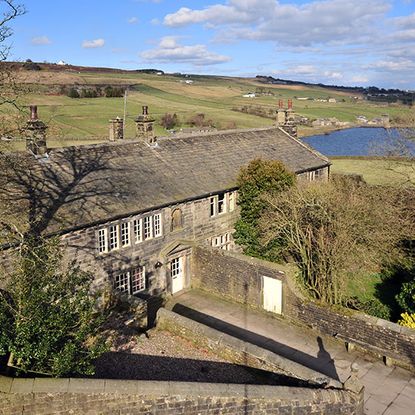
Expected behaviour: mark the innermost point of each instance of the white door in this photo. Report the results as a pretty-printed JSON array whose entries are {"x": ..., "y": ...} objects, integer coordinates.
[
  {"x": 177, "y": 274},
  {"x": 272, "y": 294}
]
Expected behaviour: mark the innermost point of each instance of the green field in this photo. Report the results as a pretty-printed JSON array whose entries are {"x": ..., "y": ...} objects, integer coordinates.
[
  {"x": 213, "y": 96},
  {"x": 377, "y": 172}
]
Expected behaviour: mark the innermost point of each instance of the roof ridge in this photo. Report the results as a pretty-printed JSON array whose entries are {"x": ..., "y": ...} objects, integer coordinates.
[{"x": 306, "y": 146}]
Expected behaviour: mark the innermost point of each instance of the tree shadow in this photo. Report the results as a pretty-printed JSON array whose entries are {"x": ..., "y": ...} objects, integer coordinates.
[
  {"x": 120, "y": 365},
  {"x": 393, "y": 277},
  {"x": 323, "y": 363},
  {"x": 71, "y": 187}
]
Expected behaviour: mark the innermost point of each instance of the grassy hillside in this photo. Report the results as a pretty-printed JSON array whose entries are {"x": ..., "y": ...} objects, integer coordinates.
[
  {"x": 213, "y": 96},
  {"x": 377, "y": 172}
]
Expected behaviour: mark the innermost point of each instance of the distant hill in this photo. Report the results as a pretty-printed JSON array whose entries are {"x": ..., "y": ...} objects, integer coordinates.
[{"x": 372, "y": 93}]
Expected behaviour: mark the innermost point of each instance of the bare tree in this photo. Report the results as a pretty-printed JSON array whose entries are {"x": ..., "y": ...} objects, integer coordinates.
[
  {"x": 333, "y": 231},
  {"x": 10, "y": 90}
]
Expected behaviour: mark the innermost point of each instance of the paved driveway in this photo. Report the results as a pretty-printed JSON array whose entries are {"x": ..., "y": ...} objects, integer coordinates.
[{"x": 388, "y": 390}]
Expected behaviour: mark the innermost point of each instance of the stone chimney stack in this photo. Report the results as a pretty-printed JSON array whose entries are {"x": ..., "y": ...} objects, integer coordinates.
[
  {"x": 281, "y": 113},
  {"x": 35, "y": 133},
  {"x": 116, "y": 129},
  {"x": 286, "y": 118},
  {"x": 145, "y": 127}
]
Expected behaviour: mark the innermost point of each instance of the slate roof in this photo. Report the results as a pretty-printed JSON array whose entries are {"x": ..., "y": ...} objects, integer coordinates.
[{"x": 78, "y": 186}]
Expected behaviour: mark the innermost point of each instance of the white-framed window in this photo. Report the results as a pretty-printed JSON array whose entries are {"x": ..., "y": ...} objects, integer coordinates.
[
  {"x": 113, "y": 237},
  {"x": 122, "y": 282},
  {"x": 157, "y": 225},
  {"x": 217, "y": 204},
  {"x": 222, "y": 241},
  {"x": 138, "y": 280},
  {"x": 221, "y": 199},
  {"x": 148, "y": 227},
  {"x": 125, "y": 234},
  {"x": 138, "y": 230},
  {"x": 131, "y": 282},
  {"x": 213, "y": 206},
  {"x": 232, "y": 201},
  {"x": 311, "y": 175},
  {"x": 102, "y": 240}
]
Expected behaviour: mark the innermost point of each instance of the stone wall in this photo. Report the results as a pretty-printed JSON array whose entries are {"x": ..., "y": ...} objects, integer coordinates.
[
  {"x": 90, "y": 397},
  {"x": 238, "y": 278},
  {"x": 232, "y": 276},
  {"x": 394, "y": 343},
  {"x": 197, "y": 227}
]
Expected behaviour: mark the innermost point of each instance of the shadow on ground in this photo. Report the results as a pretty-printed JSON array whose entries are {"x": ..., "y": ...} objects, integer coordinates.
[
  {"x": 121, "y": 365},
  {"x": 323, "y": 363}
]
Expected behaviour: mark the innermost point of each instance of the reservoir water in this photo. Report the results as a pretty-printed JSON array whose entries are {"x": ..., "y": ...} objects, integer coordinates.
[{"x": 362, "y": 142}]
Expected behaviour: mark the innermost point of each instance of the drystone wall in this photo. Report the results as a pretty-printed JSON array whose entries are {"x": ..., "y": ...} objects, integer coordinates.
[
  {"x": 238, "y": 278},
  {"x": 93, "y": 396}
]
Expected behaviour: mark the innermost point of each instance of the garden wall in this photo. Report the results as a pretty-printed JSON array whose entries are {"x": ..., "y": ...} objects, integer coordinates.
[
  {"x": 238, "y": 278},
  {"x": 94, "y": 396}
]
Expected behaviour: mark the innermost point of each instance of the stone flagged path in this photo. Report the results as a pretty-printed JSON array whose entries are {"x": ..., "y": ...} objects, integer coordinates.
[{"x": 388, "y": 390}]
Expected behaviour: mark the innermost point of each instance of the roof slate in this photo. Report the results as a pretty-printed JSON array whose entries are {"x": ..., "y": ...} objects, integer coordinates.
[{"x": 77, "y": 186}]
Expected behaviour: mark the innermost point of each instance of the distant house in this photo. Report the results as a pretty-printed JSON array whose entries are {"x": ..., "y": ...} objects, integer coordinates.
[
  {"x": 62, "y": 63},
  {"x": 332, "y": 100},
  {"x": 249, "y": 95}
]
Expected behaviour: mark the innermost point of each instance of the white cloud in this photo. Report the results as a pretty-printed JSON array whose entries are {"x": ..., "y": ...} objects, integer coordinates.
[
  {"x": 132, "y": 20},
  {"x": 41, "y": 40},
  {"x": 405, "y": 21},
  {"x": 170, "y": 51},
  {"x": 91, "y": 44},
  {"x": 359, "y": 79},
  {"x": 286, "y": 24}
]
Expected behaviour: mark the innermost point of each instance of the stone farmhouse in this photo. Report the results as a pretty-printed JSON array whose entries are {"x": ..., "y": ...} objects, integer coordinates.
[{"x": 131, "y": 211}]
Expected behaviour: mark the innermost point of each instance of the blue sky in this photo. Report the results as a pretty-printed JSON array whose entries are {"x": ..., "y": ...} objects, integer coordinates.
[{"x": 348, "y": 42}]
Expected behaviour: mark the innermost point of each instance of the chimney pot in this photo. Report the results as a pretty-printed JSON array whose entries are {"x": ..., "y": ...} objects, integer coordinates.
[
  {"x": 290, "y": 104},
  {"x": 145, "y": 110},
  {"x": 280, "y": 104},
  {"x": 33, "y": 113}
]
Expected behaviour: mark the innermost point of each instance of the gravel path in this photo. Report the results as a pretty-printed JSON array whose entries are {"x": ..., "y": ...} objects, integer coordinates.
[{"x": 165, "y": 356}]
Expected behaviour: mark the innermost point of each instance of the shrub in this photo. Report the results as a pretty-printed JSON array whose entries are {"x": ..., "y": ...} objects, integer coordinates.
[
  {"x": 199, "y": 120},
  {"x": 259, "y": 177},
  {"x": 406, "y": 298},
  {"x": 408, "y": 320},
  {"x": 169, "y": 121},
  {"x": 73, "y": 93},
  {"x": 48, "y": 319}
]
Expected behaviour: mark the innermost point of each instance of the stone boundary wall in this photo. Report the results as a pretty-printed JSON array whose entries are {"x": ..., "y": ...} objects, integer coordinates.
[
  {"x": 100, "y": 396},
  {"x": 232, "y": 276},
  {"x": 227, "y": 274},
  {"x": 392, "y": 342}
]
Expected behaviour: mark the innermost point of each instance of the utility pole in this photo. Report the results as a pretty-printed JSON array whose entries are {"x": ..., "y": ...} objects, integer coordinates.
[{"x": 125, "y": 110}]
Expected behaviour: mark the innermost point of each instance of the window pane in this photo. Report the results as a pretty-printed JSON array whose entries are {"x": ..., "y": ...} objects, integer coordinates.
[
  {"x": 175, "y": 267},
  {"x": 148, "y": 228},
  {"x": 138, "y": 280},
  {"x": 125, "y": 234},
  {"x": 137, "y": 231},
  {"x": 157, "y": 225},
  {"x": 213, "y": 206},
  {"x": 121, "y": 282},
  {"x": 102, "y": 240},
  {"x": 113, "y": 237},
  {"x": 221, "y": 203}
]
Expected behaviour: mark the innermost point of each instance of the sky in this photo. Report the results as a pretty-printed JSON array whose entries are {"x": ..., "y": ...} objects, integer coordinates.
[{"x": 342, "y": 42}]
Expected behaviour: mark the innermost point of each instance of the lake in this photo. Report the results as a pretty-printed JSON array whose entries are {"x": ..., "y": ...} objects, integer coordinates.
[{"x": 363, "y": 141}]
